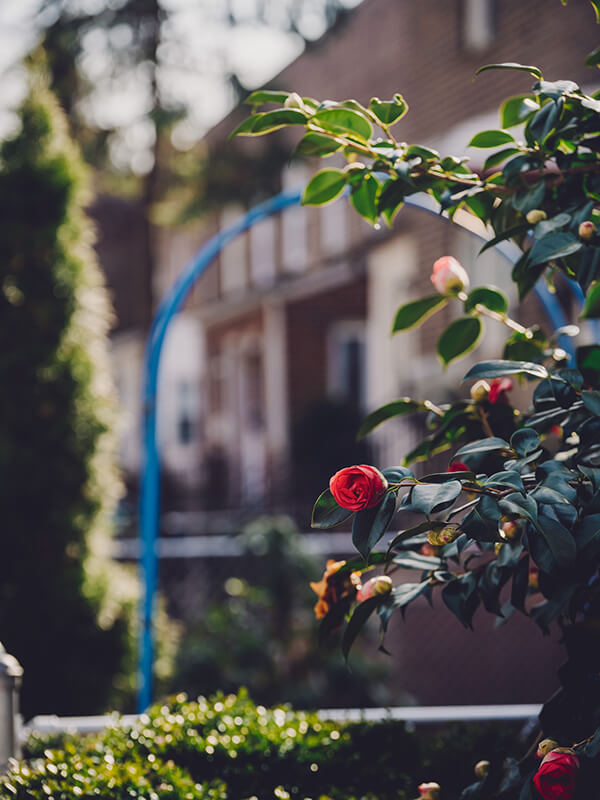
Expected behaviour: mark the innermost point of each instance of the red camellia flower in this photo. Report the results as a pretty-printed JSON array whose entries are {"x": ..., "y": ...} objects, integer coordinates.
[
  {"x": 498, "y": 389},
  {"x": 458, "y": 466},
  {"x": 556, "y": 776},
  {"x": 357, "y": 487}
]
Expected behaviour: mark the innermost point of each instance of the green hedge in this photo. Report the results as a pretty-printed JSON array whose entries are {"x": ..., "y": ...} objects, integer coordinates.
[{"x": 227, "y": 747}]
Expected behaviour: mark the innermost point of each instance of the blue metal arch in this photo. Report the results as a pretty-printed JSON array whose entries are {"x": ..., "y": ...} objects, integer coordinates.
[{"x": 149, "y": 506}]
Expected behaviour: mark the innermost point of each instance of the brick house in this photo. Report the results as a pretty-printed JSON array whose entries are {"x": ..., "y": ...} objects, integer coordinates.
[
  {"x": 285, "y": 339},
  {"x": 299, "y": 309}
]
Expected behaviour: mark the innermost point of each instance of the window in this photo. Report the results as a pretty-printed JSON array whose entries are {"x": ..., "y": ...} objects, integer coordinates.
[
  {"x": 479, "y": 27},
  {"x": 346, "y": 361}
]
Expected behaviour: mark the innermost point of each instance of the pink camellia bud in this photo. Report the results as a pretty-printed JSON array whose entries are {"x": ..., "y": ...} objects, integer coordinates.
[
  {"x": 481, "y": 769},
  {"x": 358, "y": 487},
  {"x": 533, "y": 580},
  {"x": 449, "y": 276},
  {"x": 428, "y": 549},
  {"x": 458, "y": 466},
  {"x": 429, "y": 791},
  {"x": 480, "y": 391},
  {"x": 535, "y": 215},
  {"x": 587, "y": 230},
  {"x": 374, "y": 587}
]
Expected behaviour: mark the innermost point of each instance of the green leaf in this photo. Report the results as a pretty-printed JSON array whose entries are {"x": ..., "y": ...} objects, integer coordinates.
[
  {"x": 395, "y": 408},
  {"x": 461, "y": 597},
  {"x": 361, "y": 614},
  {"x": 525, "y": 441},
  {"x": 509, "y": 233},
  {"x": 596, "y": 7},
  {"x": 414, "y": 531},
  {"x": 326, "y": 512},
  {"x": 264, "y": 96},
  {"x": 591, "y": 306},
  {"x": 559, "y": 539},
  {"x": 417, "y": 561},
  {"x": 317, "y": 144},
  {"x": 506, "y": 478},
  {"x": 591, "y": 400},
  {"x": 428, "y": 498},
  {"x": 553, "y": 246},
  {"x": 407, "y": 592},
  {"x": 371, "y": 523},
  {"x": 417, "y": 311},
  {"x": 364, "y": 198},
  {"x": 516, "y": 110},
  {"x": 588, "y": 362},
  {"x": 593, "y": 59},
  {"x": 423, "y": 152},
  {"x": 488, "y": 445},
  {"x": 344, "y": 121},
  {"x": 499, "y": 157},
  {"x": 499, "y": 368},
  {"x": 459, "y": 338},
  {"x": 324, "y": 187},
  {"x": 535, "y": 71},
  {"x": 446, "y": 477},
  {"x": 515, "y": 503},
  {"x": 493, "y": 138},
  {"x": 389, "y": 112},
  {"x": 268, "y": 121},
  {"x": 487, "y": 296},
  {"x": 397, "y": 474}
]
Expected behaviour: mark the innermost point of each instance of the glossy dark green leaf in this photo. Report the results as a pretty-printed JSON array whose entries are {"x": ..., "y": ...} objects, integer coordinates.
[
  {"x": 265, "y": 96},
  {"x": 591, "y": 400},
  {"x": 516, "y": 110},
  {"x": 525, "y": 441},
  {"x": 364, "y": 198},
  {"x": 593, "y": 59},
  {"x": 515, "y": 503},
  {"x": 461, "y": 597},
  {"x": 591, "y": 306},
  {"x": 559, "y": 539},
  {"x": 344, "y": 121},
  {"x": 459, "y": 338},
  {"x": 432, "y": 497},
  {"x": 520, "y": 584},
  {"x": 389, "y": 112},
  {"x": 499, "y": 157},
  {"x": 493, "y": 138},
  {"x": 326, "y": 512},
  {"x": 588, "y": 362},
  {"x": 317, "y": 144},
  {"x": 487, "y": 296},
  {"x": 506, "y": 479},
  {"x": 371, "y": 523},
  {"x": 409, "y": 533},
  {"x": 417, "y": 561},
  {"x": 489, "y": 445},
  {"x": 446, "y": 477},
  {"x": 417, "y": 311},
  {"x": 535, "y": 71},
  {"x": 397, "y": 474},
  {"x": 268, "y": 121},
  {"x": 361, "y": 614},
  {"x": 395, "y": 408},
  {"x": 509, "y": 233},
  {"x": 499, "y": 368},
  {"x": 324, "y": 187},
  {"x": 587, "y": 531},
  {"x": 553, "y": 246}
]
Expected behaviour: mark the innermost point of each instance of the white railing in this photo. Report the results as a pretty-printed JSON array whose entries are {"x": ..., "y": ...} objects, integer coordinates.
[{"x": 411, "y": 715}]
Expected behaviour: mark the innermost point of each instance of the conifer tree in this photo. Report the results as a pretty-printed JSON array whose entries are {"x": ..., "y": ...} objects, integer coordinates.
[{"x": 58, "y": 484}]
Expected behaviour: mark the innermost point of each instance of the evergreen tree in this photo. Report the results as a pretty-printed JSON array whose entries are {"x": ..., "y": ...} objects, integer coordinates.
[{"x": 58, "y": 484}]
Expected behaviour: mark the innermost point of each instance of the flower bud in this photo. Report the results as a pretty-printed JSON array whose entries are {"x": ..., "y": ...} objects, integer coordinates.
[
  {"x": 428, "y": 549},
  {"x": 293, "y": 100},
  {"x": 449, "y": 276},
  {"x": 481, "y": 769},
  {"x": 429, "y": 791},
  {"x": 480, "y": 391},
  {"x": 498, "y": 389},
  {"x": 534, "y": 578},
  {"x": 544, "y": 747},
  {"x": 535, "y": 215},
  {"x": 587, "y": 230},
  {"x": 510, "y": 529},
  {"x": 447, "y": 535},
  {"x": 458, "y": 466},
  {"x": 374, "y": 587}
]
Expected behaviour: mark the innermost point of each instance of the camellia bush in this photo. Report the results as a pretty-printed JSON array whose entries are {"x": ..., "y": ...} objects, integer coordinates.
[{"x": 514, "y": 523}]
